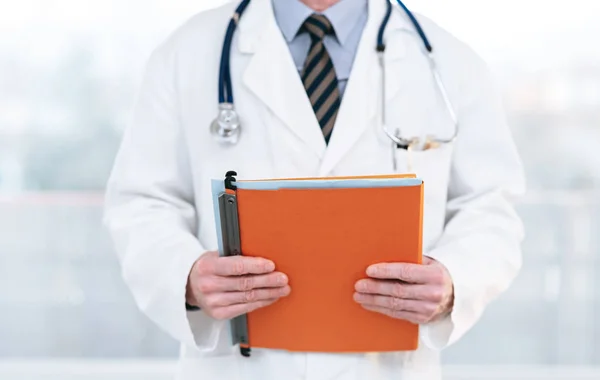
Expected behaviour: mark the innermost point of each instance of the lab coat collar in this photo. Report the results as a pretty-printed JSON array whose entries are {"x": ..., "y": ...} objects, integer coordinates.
[
  {"x": 344, "y": 15},
  {"x": 290, "y": 15}
]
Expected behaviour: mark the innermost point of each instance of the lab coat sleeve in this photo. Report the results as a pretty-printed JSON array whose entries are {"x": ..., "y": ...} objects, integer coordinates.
[
  {"x": 150, "y": 213},
  {"x": 480, "y": 245}
]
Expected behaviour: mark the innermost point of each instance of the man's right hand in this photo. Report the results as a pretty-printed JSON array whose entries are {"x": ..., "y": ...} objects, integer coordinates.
[{"x": 226, "y": 287}]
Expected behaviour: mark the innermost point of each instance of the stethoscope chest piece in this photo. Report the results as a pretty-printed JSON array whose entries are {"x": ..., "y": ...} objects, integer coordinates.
[{"x": 226, "y": 128}]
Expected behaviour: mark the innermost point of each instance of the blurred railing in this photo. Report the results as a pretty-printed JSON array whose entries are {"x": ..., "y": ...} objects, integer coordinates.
[{"x": 62, "y": 296}]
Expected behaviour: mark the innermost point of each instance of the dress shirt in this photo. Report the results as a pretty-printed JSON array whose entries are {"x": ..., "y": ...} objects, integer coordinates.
[{"x": 348, "y": 18}]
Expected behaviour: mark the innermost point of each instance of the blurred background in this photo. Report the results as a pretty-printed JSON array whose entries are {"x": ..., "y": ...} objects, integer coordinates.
[{"x": 69, "y": 70}]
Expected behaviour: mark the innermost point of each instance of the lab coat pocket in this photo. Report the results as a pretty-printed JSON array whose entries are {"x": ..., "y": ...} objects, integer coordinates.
[{"x": 432, "y": 165}]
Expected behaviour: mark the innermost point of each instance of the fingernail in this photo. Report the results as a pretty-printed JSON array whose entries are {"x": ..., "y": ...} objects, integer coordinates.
[
  {"x": 357, "y": 297},
  {"x": 282, "y": 279},
  {"x": 372, "y": 271}
]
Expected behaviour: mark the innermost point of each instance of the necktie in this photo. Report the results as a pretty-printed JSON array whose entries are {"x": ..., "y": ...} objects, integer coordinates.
[{"x": 318, "y": 75}]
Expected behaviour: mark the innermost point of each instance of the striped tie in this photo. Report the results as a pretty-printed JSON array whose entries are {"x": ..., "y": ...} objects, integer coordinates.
[{"x": 318, "y": 75}]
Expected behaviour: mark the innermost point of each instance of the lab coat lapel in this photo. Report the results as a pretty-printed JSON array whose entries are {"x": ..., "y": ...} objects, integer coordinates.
[
  {"x": 361, "y": 103},
  {"x": 272, "y": 75},
  {"x": 398, "y": 36}
]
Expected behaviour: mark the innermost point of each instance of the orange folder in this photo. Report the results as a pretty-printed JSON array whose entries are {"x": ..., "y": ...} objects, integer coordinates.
[{"x": 324, "y": 239}]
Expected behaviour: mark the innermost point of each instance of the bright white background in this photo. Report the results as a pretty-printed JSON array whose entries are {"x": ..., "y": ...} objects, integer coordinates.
[{"x": 69, "y": 70}]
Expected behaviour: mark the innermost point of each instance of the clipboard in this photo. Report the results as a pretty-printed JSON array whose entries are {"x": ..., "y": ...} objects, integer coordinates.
[{"x": 350, "y": 223}]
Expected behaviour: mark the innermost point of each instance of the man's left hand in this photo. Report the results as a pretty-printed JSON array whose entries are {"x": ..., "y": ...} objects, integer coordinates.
[{"x": 417, "y": 293}]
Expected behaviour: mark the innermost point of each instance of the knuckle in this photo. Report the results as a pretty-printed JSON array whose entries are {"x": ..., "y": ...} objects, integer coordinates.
[
  {"x": 250, "y": 296},
  {"x": 204, "y": 265},
  {"x": 437, "y": 294},
  {"x": 396, "y": 303},
  {"x": 200, "y": 268},
  {"x": 206, "y": 286},
  {"x": 406, "y": 272},
  {"x": 238, "y": 267},
  {"x": 398, "y": 291},
  {"x": 246, "y": 283},
  {"x": 211, "y": 302}
]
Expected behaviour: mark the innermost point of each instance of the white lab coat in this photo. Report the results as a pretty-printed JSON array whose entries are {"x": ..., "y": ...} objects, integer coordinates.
[{"x": 159, "y": 207}]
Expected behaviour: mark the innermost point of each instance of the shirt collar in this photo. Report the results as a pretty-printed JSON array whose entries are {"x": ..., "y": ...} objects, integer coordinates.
[{"x": 344, "y": 15}]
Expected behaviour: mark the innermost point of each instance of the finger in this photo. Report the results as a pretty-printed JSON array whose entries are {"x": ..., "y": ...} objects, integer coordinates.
[
  {"x": 412, "y": 273},
  {"x": 216, "y": 284},
  {"x": 245, "y": 283},
  {"x": 232, "y": 311},
  {"x": 397, "y": 289},
  {"x": 239, "y": 266},
  {"x": 255, "y": 295},
  {"x": 398, "y": 304},
  {"x": 412, "y": 317}
]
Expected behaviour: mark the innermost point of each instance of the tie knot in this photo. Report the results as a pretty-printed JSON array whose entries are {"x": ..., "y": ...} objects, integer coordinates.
[{"x": 318, "y": 26}]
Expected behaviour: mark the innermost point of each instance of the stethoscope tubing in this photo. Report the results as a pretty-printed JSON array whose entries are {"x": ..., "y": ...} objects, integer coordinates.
[
  {"x": 386, "y": 19},
  {"x": 416, "y": 24},
  {"x": 225, "y": 86}
]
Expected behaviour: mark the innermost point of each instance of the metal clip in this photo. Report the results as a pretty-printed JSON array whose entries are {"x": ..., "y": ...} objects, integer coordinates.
[{"x": 230, "y": 232}]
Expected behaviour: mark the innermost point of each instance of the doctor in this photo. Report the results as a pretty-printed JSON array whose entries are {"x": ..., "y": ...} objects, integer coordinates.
[{"x": 315, "y": 95}]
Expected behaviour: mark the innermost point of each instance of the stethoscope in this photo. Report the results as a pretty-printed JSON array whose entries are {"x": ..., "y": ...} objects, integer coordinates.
[{"x": 226, "y": 128}]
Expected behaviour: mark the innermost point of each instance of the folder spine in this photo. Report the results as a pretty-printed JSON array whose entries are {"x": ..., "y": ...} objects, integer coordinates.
[{"x": 230, "y": 232}]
